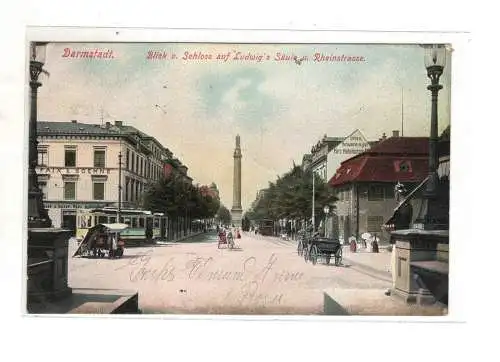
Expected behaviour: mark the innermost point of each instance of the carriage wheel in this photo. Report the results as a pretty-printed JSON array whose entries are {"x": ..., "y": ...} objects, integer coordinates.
[
  {"x": 313, "y": 254},
  {"x": 305, "y": 253},
  {"x": 338, "y": 256},
  {"x": 300, "y": 248}
]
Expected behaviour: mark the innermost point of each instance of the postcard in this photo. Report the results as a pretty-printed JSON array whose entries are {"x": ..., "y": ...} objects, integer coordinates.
[{"x": 217, "y": 178}]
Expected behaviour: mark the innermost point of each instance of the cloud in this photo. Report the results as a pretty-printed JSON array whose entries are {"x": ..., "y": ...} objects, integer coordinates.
[{"x": 280, "y": 109}]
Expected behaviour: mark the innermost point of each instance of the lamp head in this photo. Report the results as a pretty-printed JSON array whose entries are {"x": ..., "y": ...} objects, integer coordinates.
[
  {"x": 38, "y": 51},
  {"x": 435, "y": 55}
]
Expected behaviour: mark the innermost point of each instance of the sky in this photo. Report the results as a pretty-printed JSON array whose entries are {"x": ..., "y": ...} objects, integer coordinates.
[{"x": 195, "y": 106}]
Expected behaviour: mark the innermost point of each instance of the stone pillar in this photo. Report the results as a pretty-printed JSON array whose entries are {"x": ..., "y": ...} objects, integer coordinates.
[
  {"x": 419, "y": 253},
  {"x": 236, "y": 210},
  {"x": 47, "y": 265}
]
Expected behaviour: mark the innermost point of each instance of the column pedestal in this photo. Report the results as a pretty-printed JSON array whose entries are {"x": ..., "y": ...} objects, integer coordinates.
[
  {"x": 421, "y": 265},
  {"x": 236, "y": 217},
  {"x": 47, "y": 271}
]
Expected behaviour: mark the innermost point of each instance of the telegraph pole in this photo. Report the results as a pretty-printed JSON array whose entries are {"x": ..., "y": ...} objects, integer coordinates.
[
  {"x": 313, "y": 219},
  {"x": 402, "y": 113}
]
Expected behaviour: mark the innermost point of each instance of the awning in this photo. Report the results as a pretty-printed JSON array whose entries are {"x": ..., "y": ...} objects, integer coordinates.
[
  {"x": 444, "y": 167},
  {"x": 407, "y": 198}
]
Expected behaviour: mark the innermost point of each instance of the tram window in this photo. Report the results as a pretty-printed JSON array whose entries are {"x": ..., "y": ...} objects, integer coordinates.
[
  {"x": 141, "y": 222},
  {"x": 112, "y": 219},
  {"x": 134, "y": 222},
  {"x": 102, "y": 219},
  {"x": 126, "y": 221},
  {"x": 156, "y": 223}
]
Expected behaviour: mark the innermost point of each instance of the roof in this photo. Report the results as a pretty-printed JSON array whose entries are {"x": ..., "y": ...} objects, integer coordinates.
[
  {"x": 46, "y": 128},
  {"x": 402, "y": 145},
  {"x": 383, "y": 162}
]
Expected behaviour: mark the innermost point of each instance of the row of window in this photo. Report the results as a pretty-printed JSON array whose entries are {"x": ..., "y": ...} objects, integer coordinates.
[
  {"x": 134, "y": 162},
  {"x": 133, "y": 221},
  {"x": 141, "y": 166},
  {"x": 70, "y": 190},
  {"x": 131, "y": 191},
  {"x": 70, "y": 156},
  {"x": 373, "y": 223},
  {"x": 372, "y": 192}
]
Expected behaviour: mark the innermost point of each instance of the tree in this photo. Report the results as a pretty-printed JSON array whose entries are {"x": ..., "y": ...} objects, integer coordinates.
[
  {"x": 290, "y": 197},
  {"x": 223, "y": 215},
  {"x": 178, "y": 198}
]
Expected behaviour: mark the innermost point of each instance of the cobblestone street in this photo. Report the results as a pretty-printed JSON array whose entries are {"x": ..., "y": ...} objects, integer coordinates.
[{"x": 262, "y": 275}]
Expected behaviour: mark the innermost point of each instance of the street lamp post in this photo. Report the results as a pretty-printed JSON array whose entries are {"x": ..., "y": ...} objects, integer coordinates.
[
  {"x": 119, "y": 211},
  {"x": 37, "y": 215},
  {"x": 435, "y": 61},
  {"x": 326, "y": 210},
  {"x": 47, "y": 267}
]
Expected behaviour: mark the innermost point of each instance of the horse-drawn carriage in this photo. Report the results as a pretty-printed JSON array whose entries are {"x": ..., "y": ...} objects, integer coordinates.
[
  {"x": 102, "y": 240},
  {"x": 314, "y": 247}
]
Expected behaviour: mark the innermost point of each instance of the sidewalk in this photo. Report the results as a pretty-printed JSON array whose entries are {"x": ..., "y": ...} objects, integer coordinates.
[
  {"x": 379, "y": 263},
  {"x": 164, "y": 241},
  {"x": 363, "y": 260}
]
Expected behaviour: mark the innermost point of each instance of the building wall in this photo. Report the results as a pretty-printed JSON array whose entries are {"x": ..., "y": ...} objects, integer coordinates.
[
  {"x": 84, "y": 171},
  {"x": 351, "y": 146},
  {"x": 375, "y": 211},
  {"x": 52, "y": 173},
  {"x": 376, "y": 205}
]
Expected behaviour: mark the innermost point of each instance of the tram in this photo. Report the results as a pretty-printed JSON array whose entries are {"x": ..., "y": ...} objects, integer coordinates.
[
  {"x": 143, "y": 225},
  {"x": 266, "y": 227}
]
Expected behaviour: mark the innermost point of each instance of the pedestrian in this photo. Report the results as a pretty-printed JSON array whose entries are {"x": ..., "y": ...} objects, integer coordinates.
[
  {"x": 352, "y": 242},
  {"x": 375, "y": 244}
]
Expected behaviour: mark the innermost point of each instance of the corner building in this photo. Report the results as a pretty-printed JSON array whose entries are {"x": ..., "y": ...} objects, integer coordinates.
[{"x": 78, "y": 166}]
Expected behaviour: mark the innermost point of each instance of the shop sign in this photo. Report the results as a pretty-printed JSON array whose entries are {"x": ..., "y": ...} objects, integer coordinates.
[
  {"x": 74, "y": 170},
  {"x": 71, "y": 205}
]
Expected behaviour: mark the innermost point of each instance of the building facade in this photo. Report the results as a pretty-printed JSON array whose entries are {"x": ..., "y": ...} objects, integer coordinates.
[
  {"x": 365, "y": 184},
  {"x": 319, "y": 155},
  {"x": 79, "y": 167}
]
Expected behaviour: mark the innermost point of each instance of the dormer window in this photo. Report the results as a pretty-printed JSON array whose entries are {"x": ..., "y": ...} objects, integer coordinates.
[{"x": 402, "y": 166}]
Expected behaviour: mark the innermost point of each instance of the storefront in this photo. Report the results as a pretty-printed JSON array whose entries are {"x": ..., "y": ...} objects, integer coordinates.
[{"x": 63, "y": 214}]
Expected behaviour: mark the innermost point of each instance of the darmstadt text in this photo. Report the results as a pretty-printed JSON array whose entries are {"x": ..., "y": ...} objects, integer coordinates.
[{"x": 89, "y": 54}]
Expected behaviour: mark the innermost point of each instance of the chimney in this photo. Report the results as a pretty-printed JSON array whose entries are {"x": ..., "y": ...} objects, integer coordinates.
[
  {"x": 73, "y": 121},
  {"x": 384, "y": 136},
  {"x": 118, "y": 123},
  {"x": 108, "y": 124},
  {"x": 395, "y": 133}
]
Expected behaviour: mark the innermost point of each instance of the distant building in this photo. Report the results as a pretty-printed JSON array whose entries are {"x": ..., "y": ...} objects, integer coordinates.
[
  {"x": 319, "y": 154},
  {"x": 174, "y": 166},
  {"x": 209, "y": 191},
  {"x": 365, "y": 184},
  {"x": 327, "y": 155},
  {"x": 306, "y": 161},
  {"x": 78, "y": 166},
  {"x": 350, "y": 146}
]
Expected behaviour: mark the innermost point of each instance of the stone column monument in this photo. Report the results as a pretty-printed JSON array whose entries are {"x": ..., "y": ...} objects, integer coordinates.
[{"x": 236, "y": 210}]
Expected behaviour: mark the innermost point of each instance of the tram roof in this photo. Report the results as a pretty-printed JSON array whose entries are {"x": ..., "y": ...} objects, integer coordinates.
[{"x": 122, "y": 211}]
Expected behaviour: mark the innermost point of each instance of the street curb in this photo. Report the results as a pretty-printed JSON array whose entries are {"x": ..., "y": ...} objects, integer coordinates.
[
  {"x": 371, "y": 270},
  {"x": 183, "y": 238}
]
